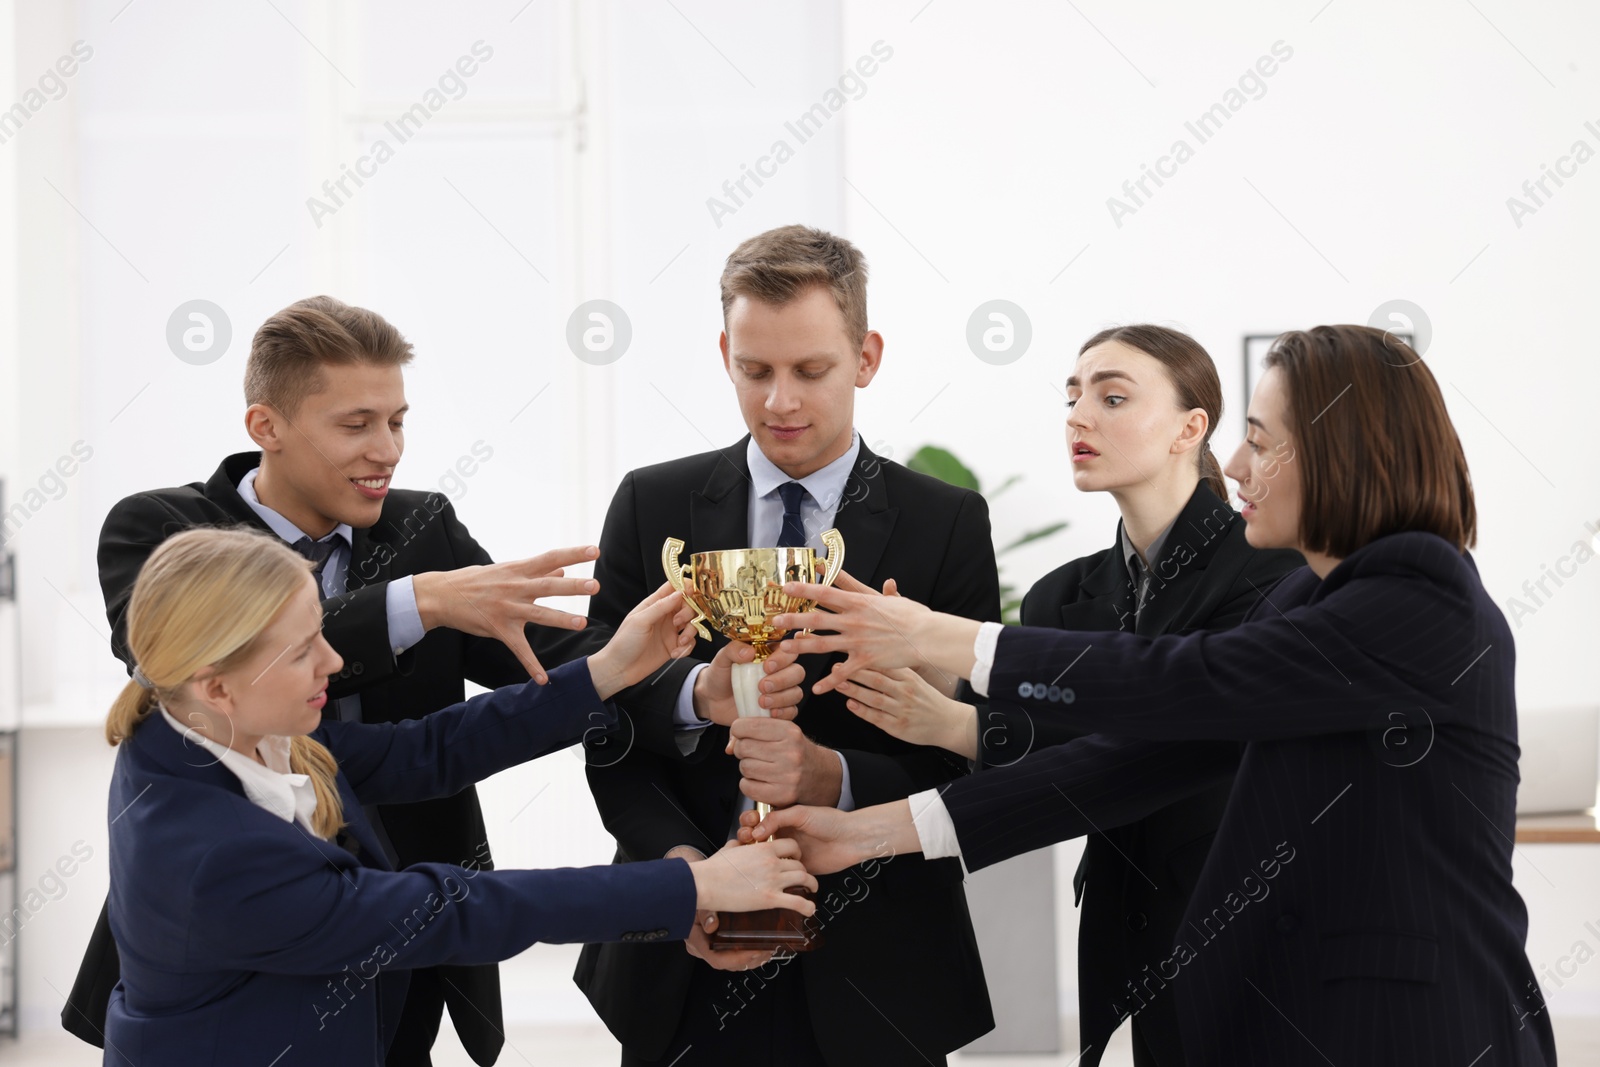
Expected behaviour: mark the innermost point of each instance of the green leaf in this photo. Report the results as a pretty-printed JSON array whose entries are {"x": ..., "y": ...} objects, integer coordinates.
[
  {"x": 940, "y": 463},
  {"x": 1034, "y": 535},
  {"x": 1003, "y": 486}
]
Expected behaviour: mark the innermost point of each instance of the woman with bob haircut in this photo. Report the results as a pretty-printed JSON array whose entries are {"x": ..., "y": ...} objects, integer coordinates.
[
  {"x": 257, "y": 916},
  {"x": 1142, "y": 404},
  {"x": 1357, "y": 905}
]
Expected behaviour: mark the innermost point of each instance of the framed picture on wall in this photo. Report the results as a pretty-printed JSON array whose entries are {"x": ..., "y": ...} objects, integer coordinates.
[{"x": 1256, "y": 347}]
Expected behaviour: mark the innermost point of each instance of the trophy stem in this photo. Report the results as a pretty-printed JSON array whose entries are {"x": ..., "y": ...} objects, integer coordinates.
[
  {"x": 747, "y": 699},
  {"x": 747, "y": 688}
]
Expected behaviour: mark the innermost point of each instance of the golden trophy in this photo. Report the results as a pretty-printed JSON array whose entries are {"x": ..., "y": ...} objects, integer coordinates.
[{"x": 737, "y": 591}]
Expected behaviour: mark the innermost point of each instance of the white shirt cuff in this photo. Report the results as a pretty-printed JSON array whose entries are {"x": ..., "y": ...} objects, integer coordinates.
[
  {"x": 686, "y": 725},
  {"x": 983, "y": 648},
  {"x": 847, "y": 799},
  {"x": 935, "y": 830},
  {"x": 405, "y": 622}
]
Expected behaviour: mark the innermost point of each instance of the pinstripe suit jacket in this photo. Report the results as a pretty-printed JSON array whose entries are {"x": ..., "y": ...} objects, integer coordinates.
[{"x": 1357, "y": 905}]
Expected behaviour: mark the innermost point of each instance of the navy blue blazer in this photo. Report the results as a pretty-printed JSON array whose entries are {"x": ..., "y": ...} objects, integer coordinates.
[
  {"x": 1357, "y": 904},
  {"x": 245, "y": 939}
]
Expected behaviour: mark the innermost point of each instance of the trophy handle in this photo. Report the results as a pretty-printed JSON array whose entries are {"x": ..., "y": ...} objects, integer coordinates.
[
  {"x": 676, "y": 573},
  {"x": 833, "y": 541}
]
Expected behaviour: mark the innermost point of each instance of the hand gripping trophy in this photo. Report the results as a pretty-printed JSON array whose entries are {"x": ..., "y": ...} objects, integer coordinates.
[{"x": 737, "y": 591}]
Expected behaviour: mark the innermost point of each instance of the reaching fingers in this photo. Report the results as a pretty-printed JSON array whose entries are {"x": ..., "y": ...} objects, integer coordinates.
[
  {"x": 516, "y": 640},
  {"x": 555, "y": 617},
  {"x": 557, "y": 558},
  {"x": 545, "y": 586},
  {"x": 848, "y": 583}
]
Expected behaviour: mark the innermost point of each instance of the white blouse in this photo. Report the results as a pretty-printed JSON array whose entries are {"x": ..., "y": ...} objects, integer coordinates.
[{"x": 273, "y": 787}]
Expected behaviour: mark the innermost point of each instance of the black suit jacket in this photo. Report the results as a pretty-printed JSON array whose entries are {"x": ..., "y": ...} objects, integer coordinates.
[
  {"x": 1357, "y": 905},
  {"x": 1135, "y": 880},
  {"x": 415, "y": 532},
  {"x": 898, "y": 930}
]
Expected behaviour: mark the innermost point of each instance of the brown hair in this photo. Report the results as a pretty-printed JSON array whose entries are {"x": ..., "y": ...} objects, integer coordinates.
[
  {"x": 1192, "y": 373},
  {"x": 290, "y": 349},
  {"x": 202, "y": 599},
  {"x": 777, "y": 266},
  {"x": 1381, "y": 454}
]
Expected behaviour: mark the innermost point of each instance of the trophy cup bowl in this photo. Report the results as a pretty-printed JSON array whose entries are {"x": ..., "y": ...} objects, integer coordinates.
[{"x": 738, "y": 591}]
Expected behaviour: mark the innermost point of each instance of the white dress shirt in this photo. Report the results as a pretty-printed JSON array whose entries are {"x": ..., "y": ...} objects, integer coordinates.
[
  {"x": 272, "y": 787},
  {"x": 764, "y": 524}
]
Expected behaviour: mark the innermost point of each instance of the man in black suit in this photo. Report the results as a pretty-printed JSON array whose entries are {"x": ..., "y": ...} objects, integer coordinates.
[
  {"x": 897, "y": 978},
  {"x": 412, "y": 603}
]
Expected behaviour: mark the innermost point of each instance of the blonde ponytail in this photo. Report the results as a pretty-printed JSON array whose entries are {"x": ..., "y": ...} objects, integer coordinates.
[
  {"x": 132, "y": 707},
  {"x": 202, "y": 599},
  {"x": 312, "y": 758}
]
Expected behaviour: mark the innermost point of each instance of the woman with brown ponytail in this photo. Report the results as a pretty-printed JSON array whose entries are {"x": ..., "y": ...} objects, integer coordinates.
[
  {"x": 257, "y": 917},
  {"x": 1142, "y": 404}
]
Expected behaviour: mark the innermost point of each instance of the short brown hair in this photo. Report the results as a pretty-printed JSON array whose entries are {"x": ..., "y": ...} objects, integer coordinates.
[
  {"x": 777, "y": 266},
  {"x": 1193, "y": 375},
  {"x": 290, "y": 349},
  {"x": 1381, "y": 454}
]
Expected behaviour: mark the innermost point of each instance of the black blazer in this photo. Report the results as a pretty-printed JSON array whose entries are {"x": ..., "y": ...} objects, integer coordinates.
[
  {"x": 898, "y": 930},
  {"x": 1135, "y": 880},
  {"x": 415, "y": 532},
  {"x": 1357, "y": 905}
]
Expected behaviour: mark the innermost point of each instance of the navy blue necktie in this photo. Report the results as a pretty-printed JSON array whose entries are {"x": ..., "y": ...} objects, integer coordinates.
[
  {"x": 317, "y": 552},
  {"x": 793, "y": 532}
]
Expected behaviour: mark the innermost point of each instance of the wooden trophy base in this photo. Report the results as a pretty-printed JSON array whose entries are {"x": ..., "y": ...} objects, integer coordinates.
[{"x": 775, "y": 928}]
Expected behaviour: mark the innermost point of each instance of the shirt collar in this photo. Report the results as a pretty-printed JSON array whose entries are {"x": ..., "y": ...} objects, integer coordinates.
[
  {"x": 280, "y": 525},
  {"x": 273, "y": 787},
  {"x": 826, "y": 485},
  {"x": 1130, "y": 558}
]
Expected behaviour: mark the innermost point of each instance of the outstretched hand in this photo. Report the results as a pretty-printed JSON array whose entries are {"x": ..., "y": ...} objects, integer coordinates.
[
  {"x": 657, "y": 630},
  {"x": 875, "y": 631},
  {"x": 498, "y": 600},
  {"x": 825, "y": 836},
  {"x": 903, "y": 704}
]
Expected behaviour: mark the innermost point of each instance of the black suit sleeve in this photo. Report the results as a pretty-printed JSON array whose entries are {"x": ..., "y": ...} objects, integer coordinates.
[
  {"x": 1394, "y": 637},
  {"x": 1084, "y": 786},
  {"x": 968, "y": 584},
  {"x": 1390, "y": 638},
  {"x": 1007, "y": 733}
]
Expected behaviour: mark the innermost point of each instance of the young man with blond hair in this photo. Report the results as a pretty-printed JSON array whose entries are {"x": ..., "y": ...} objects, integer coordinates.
[{"x": 897, "y": 978}]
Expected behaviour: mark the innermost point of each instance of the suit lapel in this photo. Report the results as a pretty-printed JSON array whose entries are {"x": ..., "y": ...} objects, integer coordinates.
[
  {"x": 864, "y": 518},
  {"x": 1104, "y": 601},
  {"x": 1177, "y": 589},
  {"x": 719, "y": 514}
]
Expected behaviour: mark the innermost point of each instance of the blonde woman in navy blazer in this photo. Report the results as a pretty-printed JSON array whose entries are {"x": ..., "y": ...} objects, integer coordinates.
[
  {"x": 1357, "y": 906},
  {"x": 257, "y": 917}
]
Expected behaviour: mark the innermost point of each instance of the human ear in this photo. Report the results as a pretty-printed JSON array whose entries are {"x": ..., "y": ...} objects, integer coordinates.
[
  {"x": 1192, "y": 434},
  {"x": 870, "y": 359}
]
